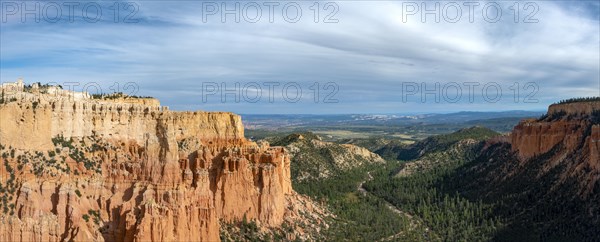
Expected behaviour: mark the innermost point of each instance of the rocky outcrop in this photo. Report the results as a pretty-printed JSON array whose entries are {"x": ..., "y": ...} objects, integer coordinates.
[
  {"x": 568, "y": 127},
  {"x": 83, "y": 169},
  {"x": 567, "y": 137},
  {"x": 544, "y": 178},
  {"x": 531, "y": 138},
  {"x": 33, "y": 119},
  {"x": 314, "y": 158}
]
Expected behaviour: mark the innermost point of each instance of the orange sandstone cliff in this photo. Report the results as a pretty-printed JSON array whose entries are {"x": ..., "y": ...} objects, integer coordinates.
[
  {"x": 84, "y": 169},
  {"x": 567, "y": 136},
  {"x": 567, "y": 128},
  {"x": 544, "y": 177}
]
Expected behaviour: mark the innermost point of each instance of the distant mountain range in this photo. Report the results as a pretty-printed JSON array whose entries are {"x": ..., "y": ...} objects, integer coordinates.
[{"x": 276, "y": 121}]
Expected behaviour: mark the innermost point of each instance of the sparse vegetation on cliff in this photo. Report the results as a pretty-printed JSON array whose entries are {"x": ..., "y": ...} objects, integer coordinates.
[
  {"x": 116, "y": 95},
  {"x": 8, "y": 190},
  {"x": 248, "y": 230},
  {"x": 60, "y": 141},
  {"x": 95, "y": 215},
  {"x": 4, "y": 100},
  {"x": 42, "y": 88},
  {"x": 78, "y": 151},
  {"x": 53, "y": 162},
  {"x": 579, "y": 99}
]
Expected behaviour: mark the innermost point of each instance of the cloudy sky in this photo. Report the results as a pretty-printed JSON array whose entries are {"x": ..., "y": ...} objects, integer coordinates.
[{"x": 359, "y": 57}]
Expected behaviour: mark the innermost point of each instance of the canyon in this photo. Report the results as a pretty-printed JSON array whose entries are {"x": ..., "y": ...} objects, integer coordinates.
[
  {"x": 545, "y": 175},
  {"x": 79, "y": 168}
]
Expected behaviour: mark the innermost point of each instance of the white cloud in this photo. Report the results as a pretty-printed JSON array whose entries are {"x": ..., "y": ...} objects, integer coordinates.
[{"x": 368, "y": 53}]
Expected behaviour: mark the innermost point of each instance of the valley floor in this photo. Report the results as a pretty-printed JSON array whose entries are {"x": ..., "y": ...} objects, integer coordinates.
[{"x": 415, "y": 222}]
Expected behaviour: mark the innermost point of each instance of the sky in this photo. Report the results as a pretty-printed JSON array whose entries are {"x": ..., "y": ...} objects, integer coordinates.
[{"x": 357, "y": 57}]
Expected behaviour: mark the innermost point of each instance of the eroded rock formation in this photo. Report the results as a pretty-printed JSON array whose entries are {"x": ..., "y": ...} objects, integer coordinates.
[
  {"x": 569, "y": 128},
  {"x": 84, "y": 169},
  {"x": 544, "y": 177}
]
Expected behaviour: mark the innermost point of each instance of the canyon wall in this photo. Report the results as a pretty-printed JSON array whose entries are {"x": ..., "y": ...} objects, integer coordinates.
[
  {"x": 544, "y": 176},
  {"x": 532, "y": 137},
  {"x": 568, "y": 135},
  {"x": 83, "y": 169},
  {"x": 567, "y": 124}
]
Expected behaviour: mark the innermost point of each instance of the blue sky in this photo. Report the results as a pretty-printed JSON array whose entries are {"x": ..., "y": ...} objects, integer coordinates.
[{"x": 371, "y": 60}]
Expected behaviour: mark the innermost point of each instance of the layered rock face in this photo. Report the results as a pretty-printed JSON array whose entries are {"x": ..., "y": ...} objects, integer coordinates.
[
  {"x": 565, "y": 141},
  {"x": 567, "y": 136},
  {"x": 82, "y": 169},
  {"x": 544, "y": 177},
  {"x": 568, "y": 127}
]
